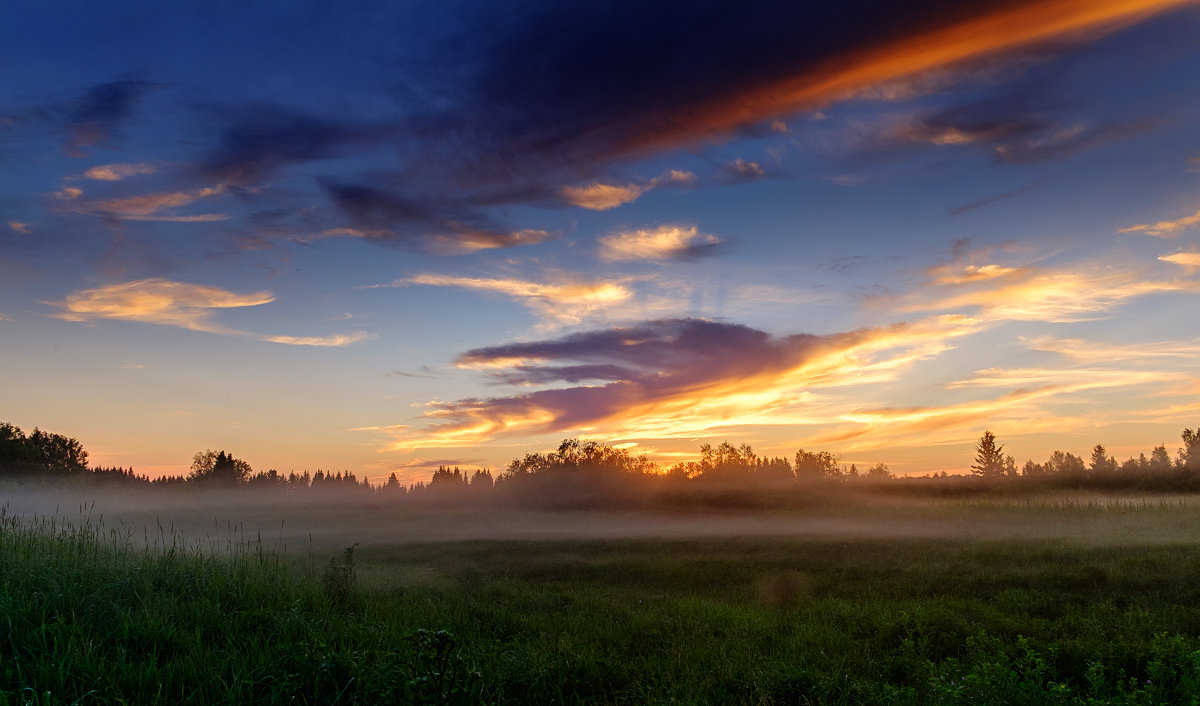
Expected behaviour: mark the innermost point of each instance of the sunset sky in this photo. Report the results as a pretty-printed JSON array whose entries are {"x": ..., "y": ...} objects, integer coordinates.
[{"x": 381, "y": 237}]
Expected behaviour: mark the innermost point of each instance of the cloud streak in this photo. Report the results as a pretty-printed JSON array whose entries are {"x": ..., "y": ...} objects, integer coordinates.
[
  {"x": 566, "y": 302},
  {"x": 189, "y": 306},
  {"x": 157, "y": 301},
  {"x": 602, "y": 197},
  {"x": 1165, "y": 229},
  {"x": 117, "y": 172},
  {"x": 1035, "y": 294}
]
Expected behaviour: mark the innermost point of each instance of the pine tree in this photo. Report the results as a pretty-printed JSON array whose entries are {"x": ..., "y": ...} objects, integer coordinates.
[{"x": 989, "y": 458}]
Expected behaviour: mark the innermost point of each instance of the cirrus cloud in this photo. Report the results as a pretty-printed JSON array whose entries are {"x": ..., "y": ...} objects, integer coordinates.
[{"x": 180, "y": 304}]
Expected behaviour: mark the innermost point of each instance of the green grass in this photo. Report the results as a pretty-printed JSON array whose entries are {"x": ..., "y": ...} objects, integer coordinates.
[{"x": 90, "y": 615}]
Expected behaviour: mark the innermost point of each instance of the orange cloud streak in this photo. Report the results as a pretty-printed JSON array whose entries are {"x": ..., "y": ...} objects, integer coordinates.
[
  {"x": 1015, "y": 26},
  {"x": 770, "y": 387},
  {"x": 1164, "y": 229},
  {"x": 157, "y": 301}
]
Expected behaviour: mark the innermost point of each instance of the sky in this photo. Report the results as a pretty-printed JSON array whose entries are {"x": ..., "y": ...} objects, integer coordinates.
[{"x": 381, "y": 237}]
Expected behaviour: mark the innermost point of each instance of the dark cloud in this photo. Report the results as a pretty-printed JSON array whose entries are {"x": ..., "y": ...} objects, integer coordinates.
[
  {"x": 1065, "y": 140},
  {"x": 743, "y": 170},
  {"x": 96, "y": 116},
  {"x": 988, "y": 200},
  {"x": 431, "y": 221},
  {"x": 533, "y": 375},
  {"x": 668, "y": 362},
  {"x": 259, "y": 139},
  {"x": 656, "y": 346}
]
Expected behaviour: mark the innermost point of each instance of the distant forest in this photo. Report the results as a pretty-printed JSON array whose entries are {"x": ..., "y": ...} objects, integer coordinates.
[{"x": 592, "y": 474}]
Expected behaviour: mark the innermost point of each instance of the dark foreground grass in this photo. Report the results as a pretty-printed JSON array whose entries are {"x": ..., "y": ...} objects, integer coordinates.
[{"x": 88, "y": 617}]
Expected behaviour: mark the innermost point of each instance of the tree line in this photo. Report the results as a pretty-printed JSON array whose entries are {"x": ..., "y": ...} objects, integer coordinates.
[{"x": 589, "y": 473}]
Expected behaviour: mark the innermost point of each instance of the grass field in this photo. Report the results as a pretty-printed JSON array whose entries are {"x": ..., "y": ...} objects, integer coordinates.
[{"x": 1050, "y": 600}]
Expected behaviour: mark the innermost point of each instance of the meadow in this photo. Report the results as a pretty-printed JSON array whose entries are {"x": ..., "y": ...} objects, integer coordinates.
[{"x": 1065, "y": 599}]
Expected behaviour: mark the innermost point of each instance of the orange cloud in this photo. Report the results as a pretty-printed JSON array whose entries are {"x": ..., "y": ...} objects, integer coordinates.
[
  {"x": 1164, "y": 229},
  {"x": 147, "y": 207},
  {"x": 1036, "y": 294},
  {"x": 564, "y": 302},
  {"x": 1010, "y": 27},
  {"x": 1096, "y": 352},
  {"x": 661, "y": 243},
  {"x": 157, "y": 301},
  {"x": 602, "y": 197},
  {"x": 469, "y": 241},
  {"x": 950, "y": 274},
  {"x": 189, "y": 306},
  {"x": 19, "y": 227},
  {"x": 338, "y": 340},
  {"x": 1187, "y": 259},
  {"x": 674, "y": 378},
  {"x": 1071, "y": 379},
  {"x": 117, "y": 172}
]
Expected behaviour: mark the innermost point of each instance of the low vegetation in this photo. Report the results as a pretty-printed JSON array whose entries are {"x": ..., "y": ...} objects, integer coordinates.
[{"x": 97, "y": 615}]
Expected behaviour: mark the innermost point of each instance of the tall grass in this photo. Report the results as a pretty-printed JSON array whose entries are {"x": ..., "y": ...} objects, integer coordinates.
[{"x": 93, "y": 614}]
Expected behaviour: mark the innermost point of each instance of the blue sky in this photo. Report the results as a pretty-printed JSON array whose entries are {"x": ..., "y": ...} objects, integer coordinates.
[{"x": 381, "y": 237}]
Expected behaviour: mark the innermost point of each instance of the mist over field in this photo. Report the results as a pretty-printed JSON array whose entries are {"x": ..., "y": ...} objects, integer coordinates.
[{"x": 219, "y": 519}]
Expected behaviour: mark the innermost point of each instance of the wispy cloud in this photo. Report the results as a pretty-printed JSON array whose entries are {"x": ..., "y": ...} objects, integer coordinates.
[
  {"x": 1075, "y": 379},
  {"x": 188, "y": 306},
  {"x": 744, "y": 170},
  {"x": 666, "y": 242},
  {"x": 566, "y": 301},
  {"x": 157, "y": 301},
  {"x": 117, "y": 172},
  {"x": 955, "y": 274},
  {"x": 1187, "y": 259},
  {"x": 150, "y": 207},
  {"x": 989, "y": 200},
  {"x": 1093, "y": 352},
  {"x": 599, "y": 196},
  {"x": 1164, "y": 229},
  {"x": 1035, "y": 293},
  {"x": 19, "y": 227},
  {"x": 339, "y": 340}
]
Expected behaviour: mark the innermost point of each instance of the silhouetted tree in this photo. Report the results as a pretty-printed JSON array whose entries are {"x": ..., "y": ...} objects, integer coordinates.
[
  {"x": 1189, "y": 455},
  {"x": 878, "y": 472},
  {"x": 1160, "y": 460},
  {"x": 989, "y": 458},
  {"x": 726, "y": 462},
  {"x": 1066, "y": 466},
  {"x": 219, "y": 469},
  {"x": 813, "y": 465},
  {"x": 1033, "y": 470},
  {"x": 445, "y": 479},
  {"x": 58, "y": 454},
  {"x": 1102, "y": 464},
  {"x": 18, "y": 455}
]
